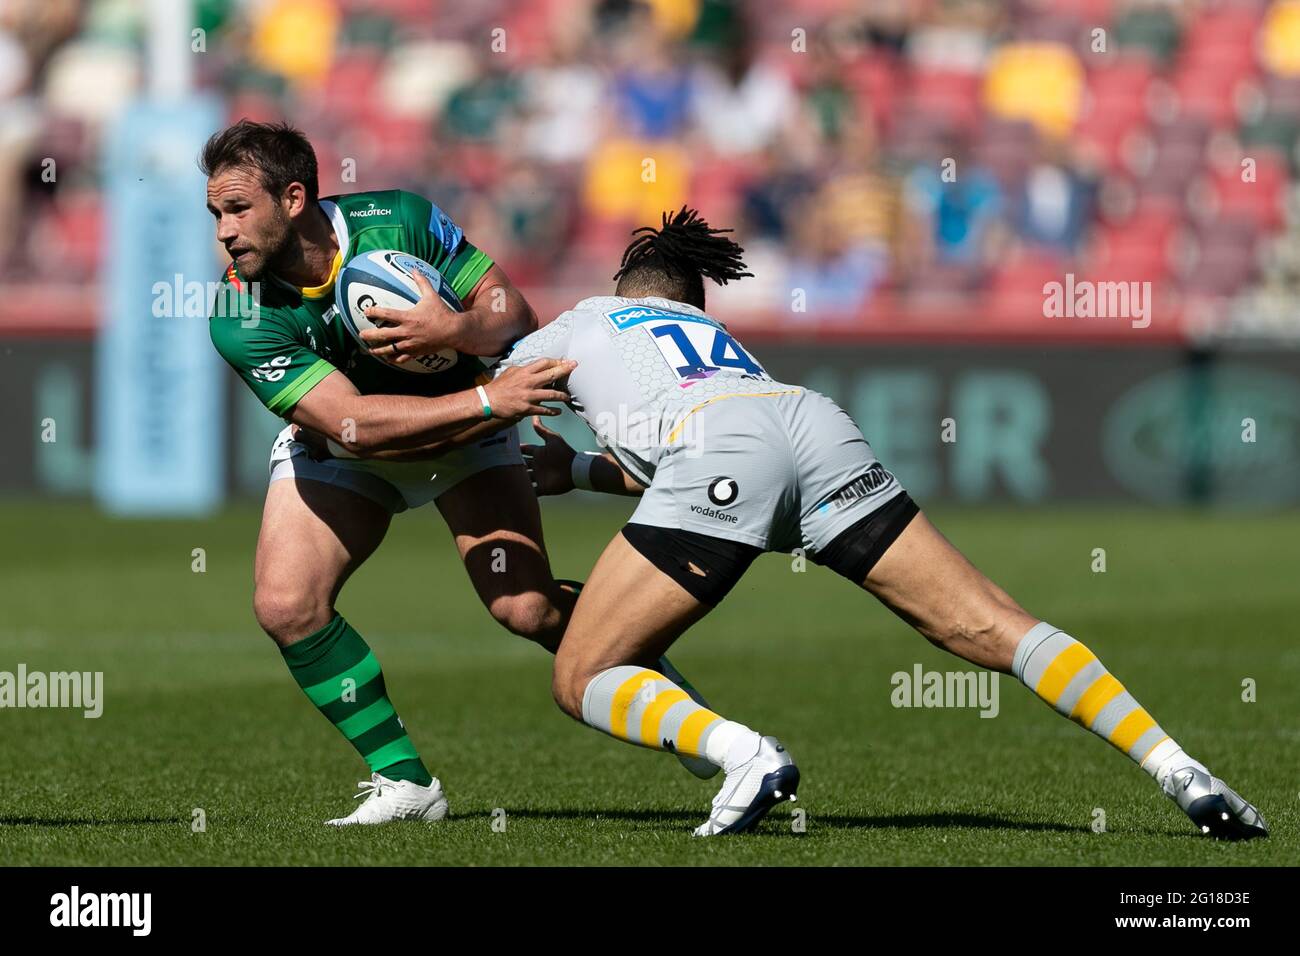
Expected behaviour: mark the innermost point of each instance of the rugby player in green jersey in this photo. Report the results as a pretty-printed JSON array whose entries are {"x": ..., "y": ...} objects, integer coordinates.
[{"x": 274, "y": 321}]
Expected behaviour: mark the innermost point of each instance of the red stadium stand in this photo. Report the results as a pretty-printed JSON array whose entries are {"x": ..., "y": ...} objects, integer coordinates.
[{"x": 1168, "y": 112}]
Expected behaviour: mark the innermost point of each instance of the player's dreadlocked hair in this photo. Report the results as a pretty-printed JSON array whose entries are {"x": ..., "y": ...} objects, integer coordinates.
[{"x": 673, "y": 260}]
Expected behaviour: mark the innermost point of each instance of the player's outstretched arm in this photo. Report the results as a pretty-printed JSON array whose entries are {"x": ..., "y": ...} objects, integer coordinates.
[
  {"x": 496, "y": 315},
  {"x": 550, "y": 466},
  {"x": 372, "y": 425}
]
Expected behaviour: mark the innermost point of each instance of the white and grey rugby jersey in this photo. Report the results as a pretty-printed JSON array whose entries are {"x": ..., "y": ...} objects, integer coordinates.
[{"x": 643, "y": 366}]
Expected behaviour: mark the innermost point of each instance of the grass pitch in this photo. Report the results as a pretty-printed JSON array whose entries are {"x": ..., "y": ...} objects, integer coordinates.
[{"x": 200, "y": 713}]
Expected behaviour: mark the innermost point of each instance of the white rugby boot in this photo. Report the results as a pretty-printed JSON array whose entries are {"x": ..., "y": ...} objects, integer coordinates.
[
  {"x": 391, "y": 800},
  {"x": 760, "y": 774},
  {"x": 1216, "y": 809}
]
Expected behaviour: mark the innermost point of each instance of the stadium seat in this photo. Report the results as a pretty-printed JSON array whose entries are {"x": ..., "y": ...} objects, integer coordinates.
[
  {"x": 1218, "y": 277},
  {"x": 918, "y": 137},
  {"x": 1015, "y": 293},
  {"x": 1006, "y": 149},
  {"x": 1260, "y": 202},
  {"x": 1117, "y": 95},
  {"x": 349, "y": 87},
  {"x": 952, "y": 95},
  {"x": 1086, "y": 12},
  {"x": 1108, "y": 137},
  {"x": 256, "y": 105},
  {"x": 1212, "y": 96},
  {"x": 1218, "y": 26},
  {"x": 75, "y": 233},
  {"x": 1282, "y": 94},
  {"x": 875, "y": 82},
  {"x": 1222, "y": 259},
  {"x": 1172, "y": 155},
  {"x": 1137, "y": 250}
]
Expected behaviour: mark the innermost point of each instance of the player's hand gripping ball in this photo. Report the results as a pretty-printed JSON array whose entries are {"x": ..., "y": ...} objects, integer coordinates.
[{"x": 386, "y": 278}]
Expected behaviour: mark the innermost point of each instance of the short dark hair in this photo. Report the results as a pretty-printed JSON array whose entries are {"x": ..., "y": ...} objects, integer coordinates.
[
  {"x": 672, "y": 261},
  {"x": 280, "y": 153}
]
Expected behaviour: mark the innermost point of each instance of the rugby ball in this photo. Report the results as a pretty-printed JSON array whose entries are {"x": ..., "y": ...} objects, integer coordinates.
[{"x": 386, "y": 278}]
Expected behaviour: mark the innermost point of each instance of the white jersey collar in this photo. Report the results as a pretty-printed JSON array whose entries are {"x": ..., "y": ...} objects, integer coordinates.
[{"x": 604, "y": 303}]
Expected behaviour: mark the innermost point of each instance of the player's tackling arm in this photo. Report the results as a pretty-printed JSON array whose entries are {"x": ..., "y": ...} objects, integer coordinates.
[
  {"x": 405, "y": 427},
  {"x": 550, "y": 465}
]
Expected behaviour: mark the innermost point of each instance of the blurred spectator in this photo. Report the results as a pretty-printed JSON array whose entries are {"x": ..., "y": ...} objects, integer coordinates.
[
  {"x": 740, "y": 104},
  {"x": 1149, "y": 27},
  {"x": 476, "y": 110},
  {"x": 1280, "y": 38},
  {"x": 784, "y": 183},
  {"x": 1038, "y": 82},
  {"x": 1053, "y": 204},
  {"x": 630, "y": 179},
  {"x": 562, "y": 102},
  {"x": 295, "y": 38},
  {"x": 836, "y": 273},
  {"x": 91, "y": 81},
  {"x": 959, "y": 40},
  {"x": 651, "y": 87},
  {"x": 959, "y": 205},
  {"x": 826, "y": 156}
]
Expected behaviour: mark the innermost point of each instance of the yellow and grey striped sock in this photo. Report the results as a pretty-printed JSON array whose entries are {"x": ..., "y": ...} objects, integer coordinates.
[
  {"x": 1070, "y": 678},
  {"x": 644, "y": 707}
]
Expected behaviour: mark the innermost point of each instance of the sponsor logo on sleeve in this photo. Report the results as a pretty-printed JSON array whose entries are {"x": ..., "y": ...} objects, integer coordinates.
[{"x": 863, "y": 486}]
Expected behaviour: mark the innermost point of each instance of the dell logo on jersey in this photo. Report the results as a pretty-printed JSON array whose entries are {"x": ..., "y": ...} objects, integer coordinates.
[
  {"x": 723, "y": 491},
  {"x": 633, "y": 315}
]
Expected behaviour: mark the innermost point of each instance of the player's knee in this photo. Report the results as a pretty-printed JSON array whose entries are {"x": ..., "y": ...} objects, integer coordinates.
[
  {"x": 568, "y": 696},
  {"x": 289, "y": 614},
  {"x": 568, "y": 687},
  {"x": 531, "y": 615}
]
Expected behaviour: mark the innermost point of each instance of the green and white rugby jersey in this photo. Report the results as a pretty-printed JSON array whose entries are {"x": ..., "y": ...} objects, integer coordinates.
[{"x": 286, "y": 339}]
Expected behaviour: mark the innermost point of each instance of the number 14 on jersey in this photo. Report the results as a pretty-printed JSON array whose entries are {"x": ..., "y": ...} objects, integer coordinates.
[{"x": 684, "y": 345}]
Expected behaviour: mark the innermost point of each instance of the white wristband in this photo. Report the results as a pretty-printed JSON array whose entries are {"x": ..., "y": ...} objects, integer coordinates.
[
  {"x": 580, "y": 469},
  {"x": 482, "y": 397}
]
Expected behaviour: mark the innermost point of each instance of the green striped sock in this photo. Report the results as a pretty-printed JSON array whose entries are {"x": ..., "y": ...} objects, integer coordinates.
[{"x": 341, "y": 675}]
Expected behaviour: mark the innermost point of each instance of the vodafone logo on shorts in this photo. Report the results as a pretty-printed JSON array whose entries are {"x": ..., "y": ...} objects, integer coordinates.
[{"x": 723, "y": 491}]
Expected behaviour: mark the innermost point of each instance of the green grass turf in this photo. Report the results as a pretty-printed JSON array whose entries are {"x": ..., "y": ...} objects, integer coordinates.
[{"x": 201, "y": 713}]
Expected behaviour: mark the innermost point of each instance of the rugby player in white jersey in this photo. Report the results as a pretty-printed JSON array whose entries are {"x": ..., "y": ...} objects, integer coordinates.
[{"x": 729, "y": 463}]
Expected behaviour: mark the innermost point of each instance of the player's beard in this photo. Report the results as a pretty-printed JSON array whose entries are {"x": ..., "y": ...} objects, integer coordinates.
[{"x": 272, "y": 253}]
